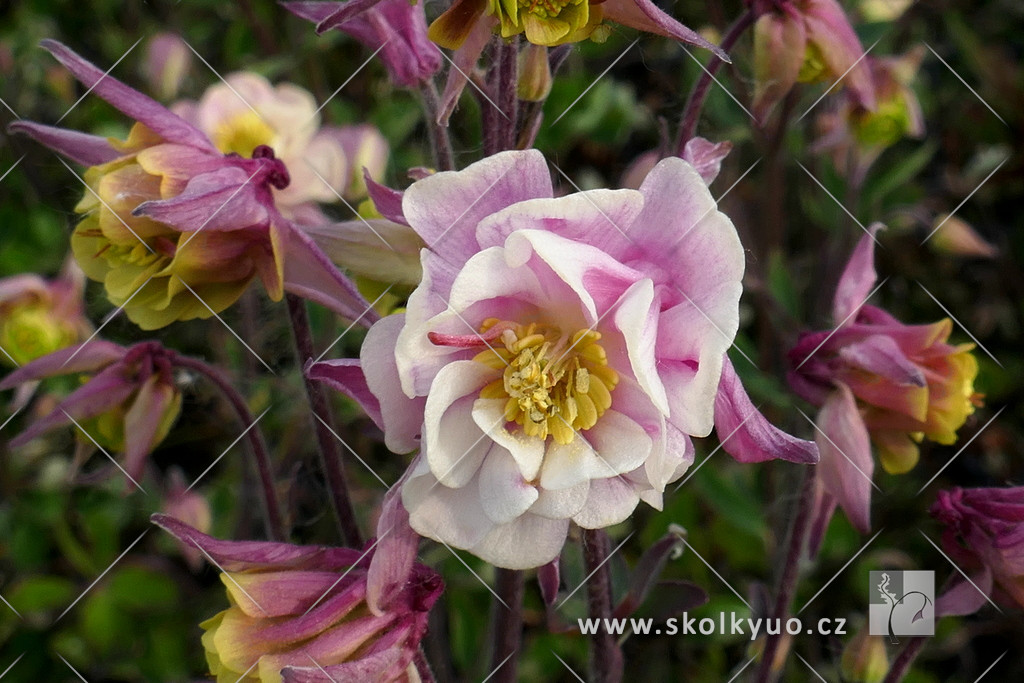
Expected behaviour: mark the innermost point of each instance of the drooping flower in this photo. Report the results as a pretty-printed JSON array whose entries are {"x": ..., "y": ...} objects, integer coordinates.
[
  {"x": 174, "y": 228},
  {"x": 558, "y": 354},
  {"x": 299, "y": 612},
  {"x": 879, "y": 383},
  {"x": 395, "y": 28},
  {"x": 557, "y": 21},
  {"x": 127, "y": 405},
  {"x": 855, "y": 135},
  {"x": 246, "y": 111},
  {"x": 807, "y": 41},
  {"x": 984, "y": 535},
  {"x": 38, "y": 316}
]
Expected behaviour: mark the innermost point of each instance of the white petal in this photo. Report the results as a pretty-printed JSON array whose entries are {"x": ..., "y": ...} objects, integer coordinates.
[
  {"x": 504, "y": 493},
  {"x": 453, "y": 444},
  {"x": 452, "y": 516},
  {"x": 528, "y": 451},
  {"x": 610, "y": 501},
  {"x": 530, "y": 541},
  {"x": 637, "y": 319},
  {"x": 563, "y": 503},
  {"x": 615, "y": 445}
]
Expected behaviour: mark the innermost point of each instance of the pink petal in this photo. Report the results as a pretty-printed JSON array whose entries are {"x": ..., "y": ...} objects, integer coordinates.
[
  {"x": 597, "y": 279},
  {"x": 388, "y": 202},
  {"x": 238, "y": 556},
  {"x": 692, "y": 341},
  {"x": 129, "y": 101},
  {"x": 401, "y": 416},
  {"x": 549, "y": 581},
  {"x": 103, "y": 392},
  {"x": 142, "y": 422},
  {"x": 646, "y": 16},
  {"x": 221, "y": 200},
  {"x": 846, "y": 464},
  {"x": 87, "y": 150},
  {"x": 445, "y": 208},
  {"x": 310, "y": 274},
  {"x": 964, "y": 597},
  {"x": 599, "y": 218},
  {"x": 88, "y": 357},
  {"x": 346, "y": 375},
  {"x": 746, "y": 434},
  {"x": 466, "y": 58},
  {"x": 829, "y": 29},
  {"x": 857, "y": 280},
  {"x": 880, "y": 355},
  {"x": 398, "y": 29},
  {"x": 706, "y": 156},
  {"x": 393, "y": 559}
]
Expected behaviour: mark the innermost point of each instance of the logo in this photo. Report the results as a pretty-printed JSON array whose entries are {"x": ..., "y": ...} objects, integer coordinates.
[{"x": 901, "y": 603}]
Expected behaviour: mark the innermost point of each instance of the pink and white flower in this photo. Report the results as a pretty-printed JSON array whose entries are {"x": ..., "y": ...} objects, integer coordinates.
[{"x": 558, "y": 355}]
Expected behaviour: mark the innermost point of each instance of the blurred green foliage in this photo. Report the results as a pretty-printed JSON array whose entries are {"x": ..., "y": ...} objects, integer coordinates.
[{"x": 136, "y": 620}]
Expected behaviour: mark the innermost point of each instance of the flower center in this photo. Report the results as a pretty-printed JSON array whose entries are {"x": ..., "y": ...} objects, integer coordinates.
[
  {"x": 553, "y": 383},
  {"x": 242, "y": 133},
  {"x": 544, "y": 9}
]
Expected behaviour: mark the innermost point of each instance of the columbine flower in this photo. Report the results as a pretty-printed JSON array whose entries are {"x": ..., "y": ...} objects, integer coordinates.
[
  {"x": 985, "y": 537},
  {"x": 299, "y": 612},
  {"x": 128, "y": 404},
  {"x": 855, "y": 135},
  {"x": 38, "y": 317},
  {"x": 555, "y": 22},
  {"x": 558, "y": 354},
  {"x": 807, "y": 41},
  {"x": 174, "y": 228},
  {"x": 246, "y": 112},
  {"x": 881, "y": 382},
  {"x": 397, "y": 28}
]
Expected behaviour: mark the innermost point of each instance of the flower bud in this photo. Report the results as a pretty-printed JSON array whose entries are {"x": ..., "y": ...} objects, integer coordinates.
[
  {"x": 168, "y": 59},
  {"x": 865, "y": 659}
]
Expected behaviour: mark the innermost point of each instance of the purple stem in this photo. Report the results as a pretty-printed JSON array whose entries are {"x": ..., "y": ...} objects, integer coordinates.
[
  {"x": 276, "y": 530},
  {"x": 330, "y": 453},
  {"x": 901, "y": 665},
  {"x": 606, "y": 664},
  {"x": 799, "y": 528},
  {"x": 440, "y": 142},
  {"x": 695, "y": 102},
  {"x": 507, "y": 625},
  {"x": 508, "y": 86}
]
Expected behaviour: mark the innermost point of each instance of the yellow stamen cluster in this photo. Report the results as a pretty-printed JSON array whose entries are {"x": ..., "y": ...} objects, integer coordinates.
[
  {"x": 242, "y": 133},
  {"x": 543, "y": 8},
  {"x": 554, "y": 383}
]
